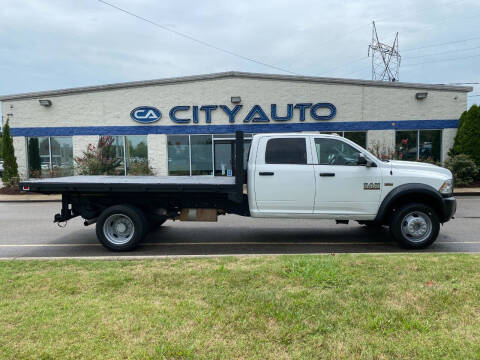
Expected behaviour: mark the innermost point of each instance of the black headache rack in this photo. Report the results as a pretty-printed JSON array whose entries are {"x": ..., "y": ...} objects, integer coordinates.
[{"x": 146, "y": 186}]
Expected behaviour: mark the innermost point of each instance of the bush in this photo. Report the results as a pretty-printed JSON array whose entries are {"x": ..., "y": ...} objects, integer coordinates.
[
  {"x": 34, "y": 163},
  {"x": 464, "y": 169},
  {"x": 467, "y": 140},
  {"x": 10, "y": 167},
  {"x": 139, "y": 168},
  {"x": 99, "y": 160},
  {"x": 381, "y": 151}
]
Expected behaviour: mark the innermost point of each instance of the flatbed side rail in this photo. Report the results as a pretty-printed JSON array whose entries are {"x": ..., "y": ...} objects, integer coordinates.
[{"x": 239, "y": 170}]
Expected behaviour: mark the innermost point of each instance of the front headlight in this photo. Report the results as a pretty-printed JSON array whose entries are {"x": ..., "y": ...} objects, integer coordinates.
[{"x": 447, "y": 187}]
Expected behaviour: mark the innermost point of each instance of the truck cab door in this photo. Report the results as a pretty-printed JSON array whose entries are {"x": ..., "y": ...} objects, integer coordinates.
[
  {"x": 284, "y": 177},
  {"x": 344, "y": 186}
]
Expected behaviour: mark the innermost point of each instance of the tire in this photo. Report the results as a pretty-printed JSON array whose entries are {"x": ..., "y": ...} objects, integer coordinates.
[
  {"x": 121, "y": 227},
  {"x": 415, "y": 226}
]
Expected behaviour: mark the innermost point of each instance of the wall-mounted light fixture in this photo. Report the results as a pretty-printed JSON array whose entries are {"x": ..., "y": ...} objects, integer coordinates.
[
  {"x": 45, "y": 102},
  {"x": 236, "y": 99},
  {"x": 421, "y": 95}
]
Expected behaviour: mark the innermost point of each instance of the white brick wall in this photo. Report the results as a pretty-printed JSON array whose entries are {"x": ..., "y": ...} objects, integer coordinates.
[
  {"x": 381, "y": 141},
  {"x": 157, "y": 154},
  {"x": 80, "y": 144},
  {"x": 353, "y": 103},
  {"x": 20, "y": 147},
  {"x": 447, "y": 141}
]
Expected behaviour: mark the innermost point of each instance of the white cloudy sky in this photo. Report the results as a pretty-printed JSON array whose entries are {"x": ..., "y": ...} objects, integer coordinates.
[{"x": 51, "y": 44}]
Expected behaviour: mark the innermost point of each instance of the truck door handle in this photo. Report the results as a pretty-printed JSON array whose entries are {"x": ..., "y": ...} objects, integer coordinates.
[
  {"x": 327, "y": 174},
  {"x": 265, "y": 173}
]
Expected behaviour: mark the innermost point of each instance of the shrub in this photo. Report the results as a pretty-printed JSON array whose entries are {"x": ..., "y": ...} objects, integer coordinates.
[
  {"x": 381, "y": 151},
  {"x": 139, "y": 168},
  {"x": 464, "y": 169},
  {"x": 34, "y": 164},
  {"x": 467, "y": 140},
  {"x": 100, "y": 159},
  {"x": 10, "y": 167}
]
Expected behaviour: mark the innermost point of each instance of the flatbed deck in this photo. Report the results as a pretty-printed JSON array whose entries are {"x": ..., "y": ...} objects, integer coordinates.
[{"x": 93, "y": 184}]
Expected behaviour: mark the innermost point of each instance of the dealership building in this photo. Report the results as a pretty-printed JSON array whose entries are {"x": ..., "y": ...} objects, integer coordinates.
[{"x": 186, "y": 125}]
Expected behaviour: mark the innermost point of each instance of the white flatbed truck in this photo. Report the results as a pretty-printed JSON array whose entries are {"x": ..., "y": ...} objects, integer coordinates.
[{"x": 303, "y": 176}]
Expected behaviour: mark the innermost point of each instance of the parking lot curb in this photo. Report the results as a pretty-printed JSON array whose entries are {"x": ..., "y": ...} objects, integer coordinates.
[
  {"x": 467, "y": 192},
  {"x": 29, "y": 198}
]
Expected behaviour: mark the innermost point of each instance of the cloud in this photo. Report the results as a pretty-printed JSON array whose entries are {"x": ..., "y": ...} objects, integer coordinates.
[{"x": 58, "y": 44}]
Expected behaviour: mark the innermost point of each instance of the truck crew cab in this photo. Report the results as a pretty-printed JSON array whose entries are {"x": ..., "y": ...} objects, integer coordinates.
[{"x": 304, "y": 176}]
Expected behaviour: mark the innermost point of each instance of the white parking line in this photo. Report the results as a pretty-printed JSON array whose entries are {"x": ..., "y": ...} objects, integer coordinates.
[{"x": 231, "y": 243}]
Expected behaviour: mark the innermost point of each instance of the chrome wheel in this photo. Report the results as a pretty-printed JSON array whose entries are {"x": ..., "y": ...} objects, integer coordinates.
[
  {"x": 118, "y": 229},
  {"x": 416, "y": 226}
]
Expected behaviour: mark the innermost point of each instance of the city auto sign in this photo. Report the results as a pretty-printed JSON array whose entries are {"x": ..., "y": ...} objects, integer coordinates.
[{"x": 185, "y": 114}]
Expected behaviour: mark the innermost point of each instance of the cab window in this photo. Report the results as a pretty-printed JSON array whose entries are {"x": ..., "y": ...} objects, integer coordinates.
[
  {"x": 335, "y": 152},
  {"x": 286, "y": 151}
]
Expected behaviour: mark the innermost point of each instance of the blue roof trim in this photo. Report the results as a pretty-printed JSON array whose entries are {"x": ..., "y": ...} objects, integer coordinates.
[{"x": 228, "y": 129}]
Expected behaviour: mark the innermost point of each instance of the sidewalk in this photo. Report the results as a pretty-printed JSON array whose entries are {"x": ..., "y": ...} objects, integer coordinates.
[
  {"x": 466, "y": 191},
  {"x": 50, "y": 198},
  {"x": 29, "y": 198}
]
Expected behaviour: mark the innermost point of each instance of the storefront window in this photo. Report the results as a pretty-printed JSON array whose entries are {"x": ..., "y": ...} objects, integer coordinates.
[
  {"x": 62, "y": 156},
  {"x": 117, "y": 151},
  {"x": 201, "y": 153},
  {"x": 406, "y": 145},
  {"x": 178, "y": 155},
  {"x": 50, "y": 156},
  {"x": 136, "y": 154},
  {"x": 430, "y": 145},
  {"x": 204, "y": 154},
  {"x": 358, "y": 137},
  {"x": 418, "y": 145}
]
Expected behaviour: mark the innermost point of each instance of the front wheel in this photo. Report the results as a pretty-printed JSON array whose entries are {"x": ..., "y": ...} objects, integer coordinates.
[
  {"x": 415, "y": 226},
  {"x": 121, "y": 227}
]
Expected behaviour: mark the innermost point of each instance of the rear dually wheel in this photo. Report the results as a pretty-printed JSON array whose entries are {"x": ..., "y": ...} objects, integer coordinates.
[{"x": 121, "y": 227}]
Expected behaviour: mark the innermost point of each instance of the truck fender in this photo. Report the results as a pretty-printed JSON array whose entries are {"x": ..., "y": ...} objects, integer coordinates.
[{"x": 422, "y": 191}]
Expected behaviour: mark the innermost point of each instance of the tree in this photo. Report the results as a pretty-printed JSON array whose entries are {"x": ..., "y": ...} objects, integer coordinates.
[
  {"x": 34, "y": 163},
  {"x": 10, "y": 167},
  {"x": 100, "y": 159},
  {"x": 467, "y": 140}
]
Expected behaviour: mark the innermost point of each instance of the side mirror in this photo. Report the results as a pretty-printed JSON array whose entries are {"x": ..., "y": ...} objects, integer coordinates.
[{"x": 362, "y": 160}]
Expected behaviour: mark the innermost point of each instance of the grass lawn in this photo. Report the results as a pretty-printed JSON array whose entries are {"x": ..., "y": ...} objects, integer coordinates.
[{"x": 285, "y": 307}]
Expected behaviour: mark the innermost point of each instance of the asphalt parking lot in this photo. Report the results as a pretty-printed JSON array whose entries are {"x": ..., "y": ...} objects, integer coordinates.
[{"x": 27, "y": 230}]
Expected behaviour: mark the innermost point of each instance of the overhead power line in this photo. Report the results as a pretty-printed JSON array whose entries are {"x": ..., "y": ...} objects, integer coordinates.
[
  {"x": 443, "y": 60},
  {"x": 199, "y": 41},
  {"x": 444, "y": 52},
  {"x": 442, "y": 44}
]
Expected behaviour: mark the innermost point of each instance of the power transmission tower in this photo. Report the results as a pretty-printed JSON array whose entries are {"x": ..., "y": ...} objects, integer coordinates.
[{"x": 385, "y": 58}]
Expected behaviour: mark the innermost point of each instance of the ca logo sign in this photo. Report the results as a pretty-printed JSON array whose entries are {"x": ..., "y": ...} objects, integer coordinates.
[{"x": 146, "y": 114}]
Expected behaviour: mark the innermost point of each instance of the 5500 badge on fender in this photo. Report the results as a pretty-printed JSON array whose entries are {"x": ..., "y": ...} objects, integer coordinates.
[{"x": 146, "y": 114}]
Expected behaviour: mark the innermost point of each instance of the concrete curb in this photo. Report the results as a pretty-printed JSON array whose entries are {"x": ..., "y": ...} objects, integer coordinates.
[
  {"x": 166, "y": 257},
  {"x": 467, "y": 193},
  {"x": 29, "y": 198}
]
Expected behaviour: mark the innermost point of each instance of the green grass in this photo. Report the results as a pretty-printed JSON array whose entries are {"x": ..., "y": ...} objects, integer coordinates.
[{"x": 290, "y": 307}]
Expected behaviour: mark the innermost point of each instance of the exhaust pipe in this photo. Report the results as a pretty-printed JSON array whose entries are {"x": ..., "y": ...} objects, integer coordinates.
[{"x": 90, "y": 221}]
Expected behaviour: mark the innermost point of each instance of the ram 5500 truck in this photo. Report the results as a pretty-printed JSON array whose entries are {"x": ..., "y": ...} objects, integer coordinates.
[{"x": 299, "y": 176}]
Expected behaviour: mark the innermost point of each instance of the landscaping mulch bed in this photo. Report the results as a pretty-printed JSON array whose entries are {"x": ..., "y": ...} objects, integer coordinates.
[{"x": 11, "y": 191}]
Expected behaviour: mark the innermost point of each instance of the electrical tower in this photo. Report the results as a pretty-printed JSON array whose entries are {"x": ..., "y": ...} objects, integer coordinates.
[{"x": 385, "y": 58}]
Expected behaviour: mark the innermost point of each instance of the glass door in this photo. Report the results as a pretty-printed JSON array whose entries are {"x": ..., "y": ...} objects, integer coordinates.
[{"x": 224, "y": 155}]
